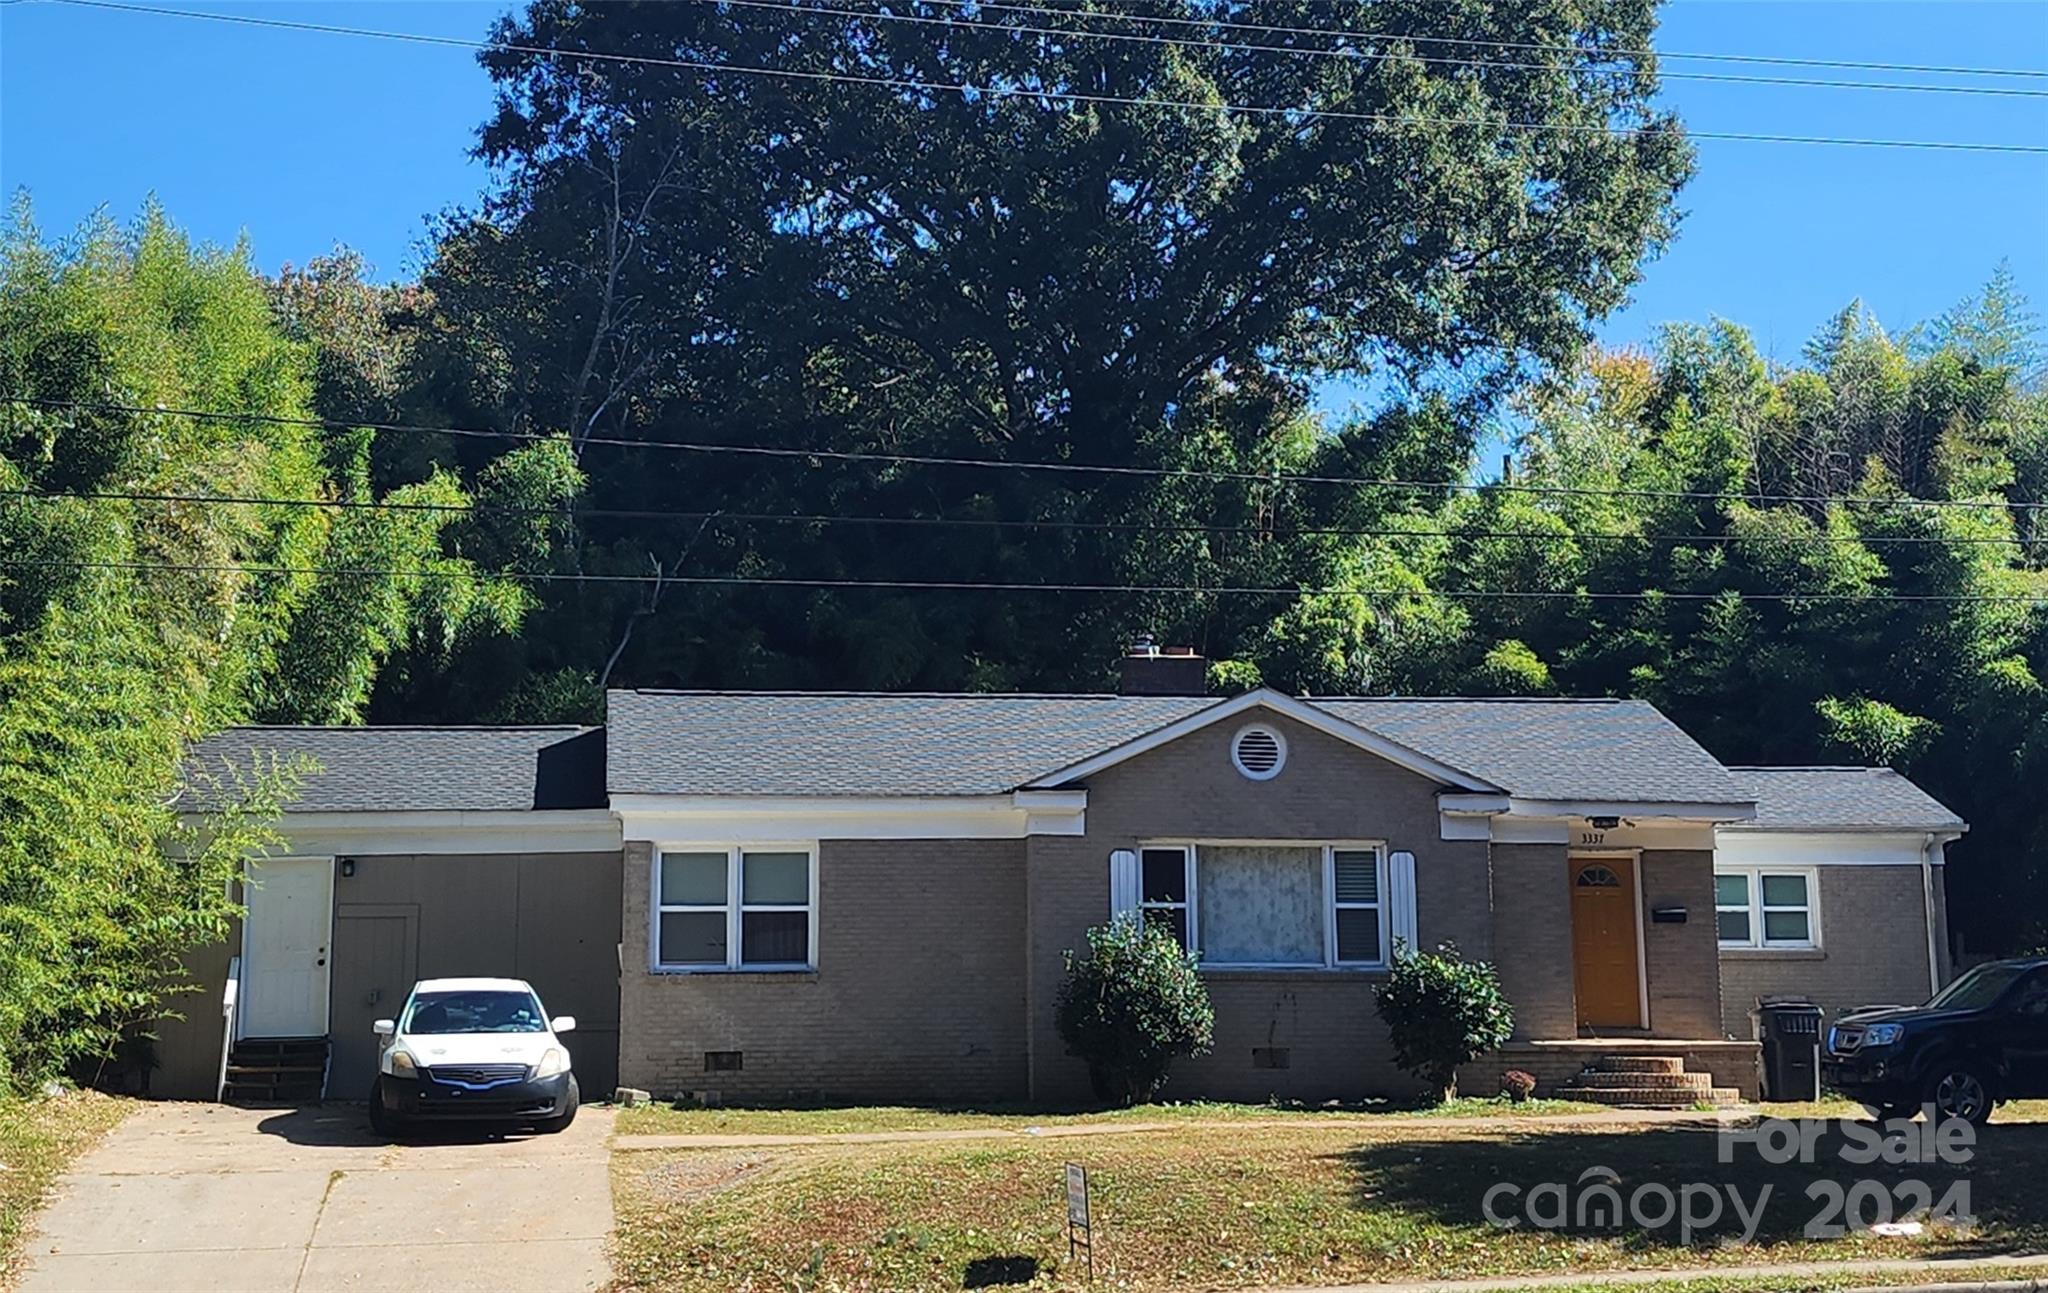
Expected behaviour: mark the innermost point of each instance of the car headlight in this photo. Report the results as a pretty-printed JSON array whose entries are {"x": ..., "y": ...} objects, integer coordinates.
[
  {"x": 401, "y": 1063},
  {"x": 1883, "y": 1034},
  {"x": 553, "y": 1060}
]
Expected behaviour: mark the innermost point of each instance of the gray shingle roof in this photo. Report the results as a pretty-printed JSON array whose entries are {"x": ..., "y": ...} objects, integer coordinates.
[
  {"x": 1620, "y": 750},
  {"x": 1843, "y": 799},
  {"x": 809, "y": 744},
  {"x": 370, "y": 769},
  {"x": 782, "y": 743}
]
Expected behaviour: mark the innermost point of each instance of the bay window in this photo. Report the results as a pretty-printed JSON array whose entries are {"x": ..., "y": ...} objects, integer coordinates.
[{"x": 735, "y": 908}]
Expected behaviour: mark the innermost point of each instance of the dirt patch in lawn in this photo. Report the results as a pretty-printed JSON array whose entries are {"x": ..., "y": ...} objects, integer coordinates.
[
  {"x": 38, "y": 1140},
  {"x": 1221, "y": 1208},
  {"x": 670, "y": 1119}
]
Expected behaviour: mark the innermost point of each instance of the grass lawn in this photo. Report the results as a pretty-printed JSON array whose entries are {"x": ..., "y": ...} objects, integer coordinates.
[
  {"x": 38, "y": 1140},
  {"x": 673, "y": 1119},
  {"x": 1230, "y": 1207}
]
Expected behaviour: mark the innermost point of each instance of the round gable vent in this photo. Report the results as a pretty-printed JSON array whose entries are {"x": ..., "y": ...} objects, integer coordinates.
[{"x": 1258, "y": 752}]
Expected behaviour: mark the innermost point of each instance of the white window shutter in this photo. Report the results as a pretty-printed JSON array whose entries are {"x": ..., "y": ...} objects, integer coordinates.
[
  {"x": 1123, "y": 883},
  {"x": 1401, "y": 920}
]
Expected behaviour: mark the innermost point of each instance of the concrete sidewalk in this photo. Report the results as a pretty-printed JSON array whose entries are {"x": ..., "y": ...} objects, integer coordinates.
[
  {"x": 2021, "y": 1273},
  {"x": 219, "y": 1200},
  {"x": 1606, "y": 1119}
]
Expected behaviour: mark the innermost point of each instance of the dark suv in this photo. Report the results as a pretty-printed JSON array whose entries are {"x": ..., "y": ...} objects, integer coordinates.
[{"x": 1981, "y": 1041}]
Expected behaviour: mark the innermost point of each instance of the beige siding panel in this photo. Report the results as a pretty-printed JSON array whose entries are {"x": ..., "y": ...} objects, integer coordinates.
[
  {"x": 1873, "y": 949},
  {"x": 918, "y": 994},
  {"x": 549, "y": 918},
  {"x": 188, "y": 1048}
]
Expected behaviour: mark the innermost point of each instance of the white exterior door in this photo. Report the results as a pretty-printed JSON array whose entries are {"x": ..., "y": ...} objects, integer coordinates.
[{"x": 285, "y": 940}]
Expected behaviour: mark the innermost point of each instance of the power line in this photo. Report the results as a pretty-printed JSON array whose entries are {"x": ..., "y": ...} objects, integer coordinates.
[
  {"x": 1293, "y": 113},
  {"x": 1549, "y": 47},
  {"x": 946, "y": 585},
  {"x": 983, "y": 522},
  {"x": 1194, "y": 42},
  {"x": 1109, "y": 469}
]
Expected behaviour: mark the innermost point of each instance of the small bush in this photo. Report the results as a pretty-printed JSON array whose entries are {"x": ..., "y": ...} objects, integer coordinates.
[
  {"x": 1130, "y": 1004},
  {"x": 1442, "y": 1011},
  {"x": 1517, "y": 1086}
]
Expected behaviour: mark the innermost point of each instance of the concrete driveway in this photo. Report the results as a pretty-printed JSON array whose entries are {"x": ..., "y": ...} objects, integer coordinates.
[{"x": 219, "y": 1200}]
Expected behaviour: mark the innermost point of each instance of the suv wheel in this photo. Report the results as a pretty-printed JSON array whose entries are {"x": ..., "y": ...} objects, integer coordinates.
[{"x": 1960, "y": 1091}]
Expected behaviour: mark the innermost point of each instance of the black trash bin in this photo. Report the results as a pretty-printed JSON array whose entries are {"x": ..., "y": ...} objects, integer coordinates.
[{"x": 1791, "y": 1036}]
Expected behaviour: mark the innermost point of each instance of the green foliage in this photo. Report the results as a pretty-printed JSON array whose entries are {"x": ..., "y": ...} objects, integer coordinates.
[
  {"x": 132, "y": 625},
  {"x": 1875, "y": 731},
  {"x": 1441, "y": 1011},
  {"x": 1129, "y": 1005},
  {"x": 1234, "y": 677}
]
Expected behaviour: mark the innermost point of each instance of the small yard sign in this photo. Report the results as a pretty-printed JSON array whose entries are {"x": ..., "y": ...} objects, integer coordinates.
[{"x": 1079, "y": 1234}]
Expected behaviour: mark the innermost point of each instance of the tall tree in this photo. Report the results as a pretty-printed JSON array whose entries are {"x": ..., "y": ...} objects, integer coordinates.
[
  {"x": 843, "y": 256},
  {"x": 135, "y": 614}
]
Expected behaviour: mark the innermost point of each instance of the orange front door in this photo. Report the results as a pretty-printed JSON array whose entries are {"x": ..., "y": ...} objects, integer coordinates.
[{"x": 1604, "y": 931}]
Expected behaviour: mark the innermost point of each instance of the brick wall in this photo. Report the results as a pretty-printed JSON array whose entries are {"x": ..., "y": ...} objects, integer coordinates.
[
  {"x": 1873, "y": 933},
  {"x": 918, "y": 994},
  {"x": 1683, "y": 960},
  {"x": 1329, "y": 790},
  {"x": 1532, "y": 937}
]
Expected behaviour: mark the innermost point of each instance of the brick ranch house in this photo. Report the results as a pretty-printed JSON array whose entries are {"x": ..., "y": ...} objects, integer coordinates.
[{"x": 801, "y": 897}]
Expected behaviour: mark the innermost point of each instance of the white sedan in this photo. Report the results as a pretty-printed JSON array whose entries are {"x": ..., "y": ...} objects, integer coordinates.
[{"x": 473, "y": 1049}]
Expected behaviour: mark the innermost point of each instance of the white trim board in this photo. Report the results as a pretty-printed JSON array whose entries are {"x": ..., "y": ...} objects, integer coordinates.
[
  {"x": 1300, "y": 711},
  {"x": 655, "y": 819},
  {"x": 573, "y": 830},
  {"x": 1797, "y": 849}
]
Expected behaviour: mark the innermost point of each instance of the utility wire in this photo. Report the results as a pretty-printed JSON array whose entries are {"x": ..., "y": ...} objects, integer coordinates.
[
  {"x": 1110, "y": 469},
  {"x": 947, "y": 585},
  {"x": 1293, "y": 113},
  {"x": 1357, "y": 55},
  {"x": 1112, "y": 14},
  {"x": 985, "y": 522}
]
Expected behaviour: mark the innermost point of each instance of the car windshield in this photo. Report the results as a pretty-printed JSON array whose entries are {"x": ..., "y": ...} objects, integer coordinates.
[
  {"x": 475, "y": 1010},
  {"x": 1977, "y": 989}
]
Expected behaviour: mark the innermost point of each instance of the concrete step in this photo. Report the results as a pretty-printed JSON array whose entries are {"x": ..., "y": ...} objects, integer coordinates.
[
  {"x": 1639, "y": 1064},
  {"x": 1701, "y": 1082}
]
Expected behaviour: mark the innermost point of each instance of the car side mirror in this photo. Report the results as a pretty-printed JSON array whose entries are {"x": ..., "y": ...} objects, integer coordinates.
[
  {"x": 563, "y": 1023},
  {"x": 384, "y": 1027}
]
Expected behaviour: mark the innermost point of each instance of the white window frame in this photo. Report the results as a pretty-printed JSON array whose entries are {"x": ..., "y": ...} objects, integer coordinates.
[
  {"x": 1753, "y": 878},
  {"x": 1330, "y": 849},
  {"x": 1186, "y": 906},
  {"x": 734, "y": 907}
]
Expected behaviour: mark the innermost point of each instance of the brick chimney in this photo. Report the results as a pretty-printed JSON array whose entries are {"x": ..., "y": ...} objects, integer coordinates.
[{"x": 1150, "y": 670}]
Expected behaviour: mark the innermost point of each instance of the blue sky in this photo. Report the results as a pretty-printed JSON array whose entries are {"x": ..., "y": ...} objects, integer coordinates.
[{"x": 307, "y": 140}]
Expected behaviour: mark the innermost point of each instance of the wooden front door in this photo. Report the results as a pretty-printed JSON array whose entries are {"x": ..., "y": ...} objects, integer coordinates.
[{"x": 1605, "y": 962}]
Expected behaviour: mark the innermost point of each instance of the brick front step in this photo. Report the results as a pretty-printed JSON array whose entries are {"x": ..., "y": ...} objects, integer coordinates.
[
  {"x": 1720, "y": 1097},
  {"x": 1701, "y": 1082},
  {"x": 1665, "y": 1064}
]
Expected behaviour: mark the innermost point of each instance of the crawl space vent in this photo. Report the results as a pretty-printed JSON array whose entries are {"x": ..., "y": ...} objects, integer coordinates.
[{"x": 1258, "y": 752}]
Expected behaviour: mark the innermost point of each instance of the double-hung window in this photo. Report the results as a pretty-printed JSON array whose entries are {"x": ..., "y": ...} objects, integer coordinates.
[
  {"x": 1766, "y": 907},
  {"x": 737, "y": 908},
  {"x": 1269, "y": 905}
]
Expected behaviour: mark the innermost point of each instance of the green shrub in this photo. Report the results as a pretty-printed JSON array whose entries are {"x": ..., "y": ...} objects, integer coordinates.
[
  {"x": 1130, "y": 1004},
  {"x": 1442, "y": 1011}
]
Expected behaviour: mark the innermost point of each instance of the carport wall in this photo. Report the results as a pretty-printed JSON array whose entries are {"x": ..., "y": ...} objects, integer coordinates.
[
  {"x": 549, "y": 918},
  {"x": 1329, "y": 790}
]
